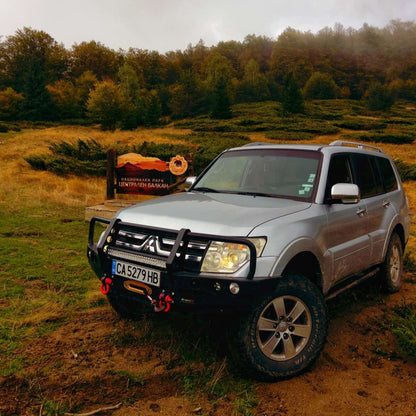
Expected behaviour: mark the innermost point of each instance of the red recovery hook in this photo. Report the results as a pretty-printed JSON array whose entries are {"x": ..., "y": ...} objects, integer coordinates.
[
  {"x": 106, "y": 282},
  {"x": 163, "y": 304}
]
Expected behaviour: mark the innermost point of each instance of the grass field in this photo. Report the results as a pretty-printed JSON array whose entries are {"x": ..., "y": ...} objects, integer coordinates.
[{"x": 45, "y": 280}]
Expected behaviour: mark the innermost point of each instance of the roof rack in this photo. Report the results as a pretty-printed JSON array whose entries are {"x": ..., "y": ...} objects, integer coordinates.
[{"x": 355, "y": 144}]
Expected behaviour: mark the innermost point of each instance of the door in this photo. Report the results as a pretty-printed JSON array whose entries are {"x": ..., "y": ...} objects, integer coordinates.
[
  {"x": 347, "y": 235},
  {"x": 376, "y": 179}
]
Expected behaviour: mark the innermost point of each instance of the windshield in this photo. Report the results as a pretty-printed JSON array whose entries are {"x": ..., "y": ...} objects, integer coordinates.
[{"x": 264, "y": 172}]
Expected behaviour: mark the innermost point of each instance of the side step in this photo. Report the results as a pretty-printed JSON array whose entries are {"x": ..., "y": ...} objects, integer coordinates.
[{"x": 349, "y": 284}]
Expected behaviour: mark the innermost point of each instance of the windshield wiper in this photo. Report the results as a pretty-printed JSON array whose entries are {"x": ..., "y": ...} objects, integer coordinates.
[
  {"x": 205, "y": 189},
  {"x": 253, "y": 193}
]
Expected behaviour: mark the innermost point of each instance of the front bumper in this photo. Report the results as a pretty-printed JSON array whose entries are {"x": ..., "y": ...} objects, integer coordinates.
[{"x": 187, "y": 289}]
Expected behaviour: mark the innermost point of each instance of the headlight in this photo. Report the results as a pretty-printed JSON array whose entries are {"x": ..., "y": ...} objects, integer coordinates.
[{"x": 223, "y": 257}]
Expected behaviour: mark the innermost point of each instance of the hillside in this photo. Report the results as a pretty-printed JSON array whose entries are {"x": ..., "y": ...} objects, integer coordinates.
[{"x": 63, "y": 350}]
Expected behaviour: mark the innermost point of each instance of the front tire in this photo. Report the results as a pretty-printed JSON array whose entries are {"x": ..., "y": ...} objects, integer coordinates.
[
  {"x": 392, "y": 267},
  {"x": 283, "y": 333}
]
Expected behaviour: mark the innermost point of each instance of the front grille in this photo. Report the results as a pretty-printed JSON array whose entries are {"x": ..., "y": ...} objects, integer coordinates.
[{"x": 153, "y": 246}]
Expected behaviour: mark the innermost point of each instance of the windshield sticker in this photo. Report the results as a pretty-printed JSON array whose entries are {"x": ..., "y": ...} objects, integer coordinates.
[
  {"x": 307, "y": 187},
  {"x": 311, "y": 178}
]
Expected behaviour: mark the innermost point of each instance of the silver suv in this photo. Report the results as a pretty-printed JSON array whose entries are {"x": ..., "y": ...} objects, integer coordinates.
[{"x": 267, "y": 232}]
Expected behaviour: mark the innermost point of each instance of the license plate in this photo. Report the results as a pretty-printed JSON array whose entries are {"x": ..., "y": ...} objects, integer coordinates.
[{"x": 136, "y": 272}]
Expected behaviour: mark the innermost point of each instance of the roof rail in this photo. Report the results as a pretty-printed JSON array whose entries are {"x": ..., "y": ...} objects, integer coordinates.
[{"x": 355, "y": 144}]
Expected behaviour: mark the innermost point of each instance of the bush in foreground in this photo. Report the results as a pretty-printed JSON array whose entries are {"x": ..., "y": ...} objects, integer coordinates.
[{"x": 404, "y": 328}]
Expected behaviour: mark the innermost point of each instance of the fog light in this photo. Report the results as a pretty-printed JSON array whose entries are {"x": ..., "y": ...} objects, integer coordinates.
[
  {"x": 217, "y": 286},
  {"x": 234, "y": 288}
]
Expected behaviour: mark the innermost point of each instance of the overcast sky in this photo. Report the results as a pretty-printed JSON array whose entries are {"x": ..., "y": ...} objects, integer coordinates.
[{"x": 166, "y": 25}]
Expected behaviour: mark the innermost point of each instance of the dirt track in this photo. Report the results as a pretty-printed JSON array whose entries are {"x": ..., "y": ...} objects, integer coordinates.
[{"x": 85, "y": 361}]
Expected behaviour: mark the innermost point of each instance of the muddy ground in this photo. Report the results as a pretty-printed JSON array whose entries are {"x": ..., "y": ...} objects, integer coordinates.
[{"x": 90, "y": 361}]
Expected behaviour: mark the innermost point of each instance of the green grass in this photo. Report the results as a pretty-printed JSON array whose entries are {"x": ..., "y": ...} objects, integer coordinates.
[
  {"x": 404, "y": 328},
  {"x": 44, "y": 275},
  {"x": 194, "y": 352},
  {"x": 53, "y": 408}
]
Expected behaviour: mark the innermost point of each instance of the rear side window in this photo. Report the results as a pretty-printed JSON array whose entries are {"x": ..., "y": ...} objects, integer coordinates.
[
  {"x": 367, "y": 175},
  {"x": 387, "y": 173}
]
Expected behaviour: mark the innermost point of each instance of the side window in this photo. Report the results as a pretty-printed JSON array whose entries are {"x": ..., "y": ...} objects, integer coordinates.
[
  {"x": 379, "y": 188},
  {"x": 367, "y": 178},
  {"x": 339, "y": 172},
  {"x": 389, "y": 178}
]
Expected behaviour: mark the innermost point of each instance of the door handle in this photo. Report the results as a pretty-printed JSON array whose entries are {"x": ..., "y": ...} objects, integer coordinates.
[
  {"x": 386, "y": 203},
  {"x": 361, "y": 211}
]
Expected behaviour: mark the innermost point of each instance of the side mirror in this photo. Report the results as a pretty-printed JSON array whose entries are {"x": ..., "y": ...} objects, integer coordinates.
[
  {"x": 189, "y": 182},
  {"x": 347, "y": 193}
]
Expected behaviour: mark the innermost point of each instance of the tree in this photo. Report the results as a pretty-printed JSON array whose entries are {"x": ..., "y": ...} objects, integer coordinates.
[
  {"x": 291, "y": 54},
  {"x": 253, "y": 86},
  {"x": 32, "y": 59},
  {"x": 84, "y": 84},
  {"x": 258, "y": 48},
  {"x": 187, "y": 96},
  {"x": 93, "y": 56},
  {"x": 221, "y": 102},
  {"x": 151, "y": 64},
  {"x": 153, "y": 108},
  {"x": 292, "y": 100},
  {"x": 320, "y": 87},
  {"x": 379, "y": 98},
  {"x": 10, "y": 103},
  {"x": 70, "y": 97},
  {"x": 106, "y": 104},
  {"x": 219, "y": 83},
  {"x": 130, "y": 87},
  {"x": 232, "y": 50},
  {"x": 65, "y": 98}
]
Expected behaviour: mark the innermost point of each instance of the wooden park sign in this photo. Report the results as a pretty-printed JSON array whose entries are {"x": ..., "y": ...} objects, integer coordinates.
[{"x": 133, "y": 173}]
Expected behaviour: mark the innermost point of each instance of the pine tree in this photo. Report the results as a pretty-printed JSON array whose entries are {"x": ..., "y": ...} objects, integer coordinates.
[
  {"x": 292, "y": 100},
  {"x": 221, "y": 102}
]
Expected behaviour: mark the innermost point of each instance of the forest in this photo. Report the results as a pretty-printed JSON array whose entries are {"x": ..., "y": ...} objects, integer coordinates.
[{"x": 41, "y": 80}]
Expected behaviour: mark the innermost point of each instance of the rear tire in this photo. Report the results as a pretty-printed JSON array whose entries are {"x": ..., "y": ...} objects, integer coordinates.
[
  {"x": 283, "y": 334},
  {"x": 392, "y": 267}
]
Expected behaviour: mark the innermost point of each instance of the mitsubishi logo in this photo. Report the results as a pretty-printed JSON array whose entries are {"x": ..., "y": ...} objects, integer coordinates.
[{"x": 150, "y": 245}]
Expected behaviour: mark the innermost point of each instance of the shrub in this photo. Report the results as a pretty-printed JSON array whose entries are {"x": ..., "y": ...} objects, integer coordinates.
[
  {"x": 90, "y": 158},
  {"x": 320, "y": 86},
  {"x": 404, "y": 328},
  {"x": 82, "y": 150},
  {"x": 68, "y": 166},
  {"x": 379, "y": 98},
  {"x": 407, "y": 171},
  {"x": 361, "y": 124},
  {"x": 289, "y": 135},
  {"x": 10, "y": 104}
]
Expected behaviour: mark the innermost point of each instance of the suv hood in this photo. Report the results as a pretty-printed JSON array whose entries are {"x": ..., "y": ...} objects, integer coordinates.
[{"x": 210, "y": 213}]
